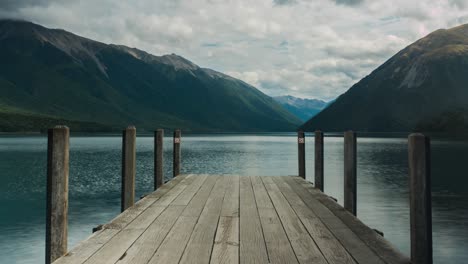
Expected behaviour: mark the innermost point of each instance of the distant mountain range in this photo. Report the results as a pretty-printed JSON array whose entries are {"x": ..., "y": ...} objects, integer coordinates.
[
  {"x": 423, "y": 87},
  {"x": 304, "y": 109},
  {"x": 51, "y": 76}
]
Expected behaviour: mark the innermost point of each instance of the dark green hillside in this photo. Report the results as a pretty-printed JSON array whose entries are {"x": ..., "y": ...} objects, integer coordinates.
[
  {"x": 55, "y": 73},
  {"x": 420, "y": 83}
]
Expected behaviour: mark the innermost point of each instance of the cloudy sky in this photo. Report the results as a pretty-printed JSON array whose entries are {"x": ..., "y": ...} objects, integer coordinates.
[{"x": 306, "y": 48}]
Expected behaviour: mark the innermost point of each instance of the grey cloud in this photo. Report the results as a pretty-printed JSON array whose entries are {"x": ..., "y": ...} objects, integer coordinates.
[
  {"x": 12, "y": 5},
  {"x": 349, "y": 2},
  {"x": 459, "y": 3},
  {"x": 284, "y": 2}
]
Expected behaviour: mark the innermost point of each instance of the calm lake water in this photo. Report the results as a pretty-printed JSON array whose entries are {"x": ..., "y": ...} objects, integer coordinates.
[{"x": 95, "y": 183}]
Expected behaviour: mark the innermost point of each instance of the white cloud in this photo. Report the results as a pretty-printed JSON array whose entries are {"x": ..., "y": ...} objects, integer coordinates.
[{"x": 305, "y": 48}]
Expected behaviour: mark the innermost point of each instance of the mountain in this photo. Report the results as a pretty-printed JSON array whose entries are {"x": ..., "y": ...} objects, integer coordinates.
[
  {"x": 50, "y": 74},
  {"x": 413, "y": 90},
  {"x": 304, "y": 109}
]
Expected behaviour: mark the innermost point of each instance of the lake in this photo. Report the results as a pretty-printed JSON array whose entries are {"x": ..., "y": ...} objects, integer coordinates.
[{"x": 94, "y": 196}]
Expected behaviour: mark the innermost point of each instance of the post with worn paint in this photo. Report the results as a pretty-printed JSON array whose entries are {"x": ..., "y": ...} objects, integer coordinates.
[
  {"x": 128, "y": 167},
  {"x": 419, "y": 160},
  {"x": 57, "y": 192},
  {"x": 158, "y": 158},
  {"x": 319, "y": 160},
  {"x": 176, "y": 153},
  {"x": 350, "y": 180},
  {"x": 301, "y": 153}
]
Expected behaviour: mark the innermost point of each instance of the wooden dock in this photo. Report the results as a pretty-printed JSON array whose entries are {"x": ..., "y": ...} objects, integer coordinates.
[
  {"x": 235, "y": 219},
  {"x": 232, "y": 219}
]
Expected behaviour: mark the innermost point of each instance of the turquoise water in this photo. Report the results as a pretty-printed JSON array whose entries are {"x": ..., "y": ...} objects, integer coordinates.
[{"x": 95, "y": 183}]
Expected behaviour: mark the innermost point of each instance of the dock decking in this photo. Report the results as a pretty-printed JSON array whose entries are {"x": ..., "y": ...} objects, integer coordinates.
[{"x": 235, "y": 219}]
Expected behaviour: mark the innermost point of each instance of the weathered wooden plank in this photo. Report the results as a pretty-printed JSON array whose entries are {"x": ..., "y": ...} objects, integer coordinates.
[
  {"x": 145, "y": 246},
  {"x": 235, "y": 220},
  {"x": 419, "y": 159},
  {"x": 200, "y": 245},
  {"x": 226, "y": 246},
  {"x": 302, "y": 244},
  {"x": 277, "y": 243},
  {"x": 58, "y": 146},
  {"x": 158, "y": 158},
  {"x": 301, "y": 154},
  {"x": 261, "y": 196},
  {"x": 350, "y": 174},
  {"x": 319, "y": 183},
  {"x": 231, "y": 200},
  {"x": 174, "y": 244},
  {"x": 88, "y": 247},
  {"x": 252, "y": 243},
  {"x": 131, "y": 213},
  {"x": 351, "y": 242},
  {"x": 169, "y": 197},
  {"x": 185, "y": 197},
  {"x": 374, "y": 241},
  {"x": 128, "y": 167},
  {"x": 116, "y": 247},
  {"x": 176, "y": 153},
  {"x": 330, "y": 247}
]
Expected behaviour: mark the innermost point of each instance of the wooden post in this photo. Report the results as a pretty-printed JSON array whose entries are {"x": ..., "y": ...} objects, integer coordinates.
[
  {"x": 158, "y": 158},
  {"x": 128, "y": 167},
  {"x": 419, "y": 160},
  {"x": 301, "y": 153},
  {"x": 350, "y": 172},
  {"x": 57, "y": 192},
  {"x": 319, "y": 160},
  {"x": 176, "y": 153}
]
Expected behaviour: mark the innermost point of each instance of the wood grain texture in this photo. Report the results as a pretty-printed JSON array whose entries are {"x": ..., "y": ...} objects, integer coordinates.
[
  {"x": 303, "y": 245},
  {"x": 319, "y": 168},
  {"x": 350, "y": 171},
  {"x": 301, "y": 154},
  {"x": 116, "y": 248},
  {"x": 158, "y": 158},
  {"x": 174, "y": 244},
  {"x": 226, "y": 245},
  {"x": 200, "y": 245},
  {"x": 374, "y": 241},
  {"x": 252, "y": 243},
  {"x": 353, "y": 244},
  {"x": 231, "y": 219},
  {"x": 128, "y": 168},
  {"x": 176, "y": 153},
  {"x": 419, "y": 153},
  {"x": 88, "y": 247},
  {"x": 57, "y": 192},
  {"x": 277, "y": 242},
  {"x": 330, "y": 247},
  {"x": 143, "y": 249}
]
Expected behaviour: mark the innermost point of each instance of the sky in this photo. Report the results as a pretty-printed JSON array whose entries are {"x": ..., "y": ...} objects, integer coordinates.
[{"x": 304, "y": 48}]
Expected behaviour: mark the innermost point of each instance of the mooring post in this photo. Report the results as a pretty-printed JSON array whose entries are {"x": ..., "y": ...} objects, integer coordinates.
[
  {"x": 319, "y": 160},
  {"x": 301, "y": 153},
  {"x": 158, "y": 158},
  {"x": 350, "y": 172},
  {"x": 419, "y": 159},
  {"x": 128, "y": 167},
  {"x": 57, "y": 192},
  {"x": 176, "y": 153}
]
